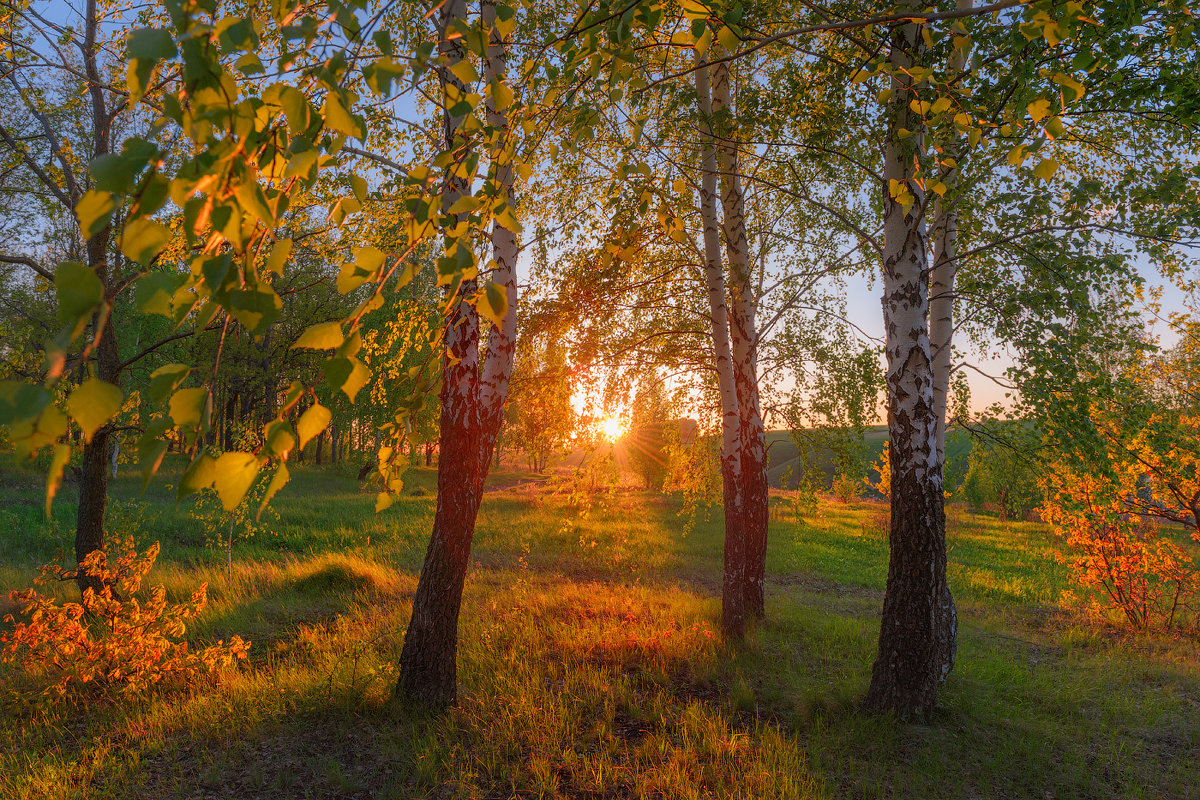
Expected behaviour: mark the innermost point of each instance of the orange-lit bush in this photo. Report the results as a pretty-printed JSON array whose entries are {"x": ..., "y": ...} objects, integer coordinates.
[
  {"x": 1123, "y": 559},
  {"x": 112, "y": 643}
]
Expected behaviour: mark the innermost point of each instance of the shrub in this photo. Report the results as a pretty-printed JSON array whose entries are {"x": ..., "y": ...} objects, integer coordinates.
[
  {"x": 1125, "y": 561},
  {"x": 694, "y": 475},
  {"x": 111, "y": 643}
]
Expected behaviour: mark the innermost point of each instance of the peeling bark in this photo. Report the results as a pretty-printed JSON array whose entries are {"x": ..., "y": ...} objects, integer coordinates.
[
  {"x": 472, "y": 412},
  {"x": 919, "y": 622},
  {"x": 945, "y": 270},
  {"x": 744, "y": 341},
  {"x": 733, "y": 606}
]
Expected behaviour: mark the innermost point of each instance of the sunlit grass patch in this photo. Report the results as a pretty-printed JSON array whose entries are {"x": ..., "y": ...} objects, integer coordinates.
[{"x": 596, "y": 670}]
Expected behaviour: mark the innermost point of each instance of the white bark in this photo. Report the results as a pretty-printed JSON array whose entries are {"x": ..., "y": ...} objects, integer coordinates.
[
  {"x": 714, "y": 277},
  {"x": 733, "y": 605},
  {"x": 743, "y": 335},
  {"x": 945, "y": 270},
  {"x": 502, "y": 339}
]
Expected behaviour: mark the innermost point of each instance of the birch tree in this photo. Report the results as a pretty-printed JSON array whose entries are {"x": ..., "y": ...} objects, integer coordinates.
[{"x": 473, "y": 395}]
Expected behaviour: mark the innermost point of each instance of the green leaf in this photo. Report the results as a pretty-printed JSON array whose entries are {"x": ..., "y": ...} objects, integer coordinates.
[
  {"x": 493, "y": 303},
  {"x": 31, "y": 435},
  {"x": 296, "y": 108},
  {"x": 111, "y": 173},
  {"x": 234, "y": 475},
  {"x": 301, "y": 164},
  {"x": 94, "y": 210},
  {"x": 278, "y": 481},
  {"x": 312, "y": 422},
  {"x": 322, "y": 336},
  {"x": 58, "y": 462},
  {"x": 199, "y": 475},
  {"x": 151, "y": 447},
  {"x": 79, "y": 292},
  {"x": 21, "y": 401},
  {"x": 166, "y": 379},
  {"x": 347, "y": 374},
  {"x": 153, "y": 43},
  {"x": 143, "y": 239},
  {"x": 147, "y": 46},
  {"x": 92, "y": 404},
  {"x": 340, "y": 119},
  {"x": 252, "y": 200},
  {"x": 188, "y": 408},
  {"x": 279, "y": 438},
  {"x": 255, "y": 308},
  {"x": 155, "y": 293}
]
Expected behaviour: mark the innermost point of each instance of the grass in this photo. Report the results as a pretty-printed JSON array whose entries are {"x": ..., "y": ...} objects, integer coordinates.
[{"x": 589, "y": 665}]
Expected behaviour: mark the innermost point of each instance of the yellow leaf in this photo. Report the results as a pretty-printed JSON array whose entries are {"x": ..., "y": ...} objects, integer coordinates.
[
  {"x": 187, "y": 407},
  {"x": 94, "y": 403},
  {"x": 234, "y": 474},
  {"x": 1039, "y": 109},
  {"x": 143, "y": 239},
  {"x": 312, "y": 422},
  {"x": 492, "y": 303},
  {"x": 502, "y": 95},
  {"x": 464, "y": 71},
  {"x": 322, "y": 336},
  {"x": 94, "y": 210},
  {"x": 278, "y": 480},
  {"x": 1046, "y": 169}
]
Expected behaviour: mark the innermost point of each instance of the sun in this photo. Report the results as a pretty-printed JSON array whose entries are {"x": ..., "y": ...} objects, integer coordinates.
[{"x": 612, "y": 428}]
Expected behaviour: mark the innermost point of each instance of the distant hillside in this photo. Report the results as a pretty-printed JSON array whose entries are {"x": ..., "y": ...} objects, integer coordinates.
[{"x": 783, "y": 455}]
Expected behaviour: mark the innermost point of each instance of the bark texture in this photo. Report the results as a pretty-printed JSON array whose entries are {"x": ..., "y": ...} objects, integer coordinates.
[
  {"x": 472, "y": 410},
  {"x": 93, "y": 473},
  {"x": 733, "y": 592},
  {"x": 918, "y": 612},
  {"x": 744, "y": 340},
  {"x": 945, "y": 269}
]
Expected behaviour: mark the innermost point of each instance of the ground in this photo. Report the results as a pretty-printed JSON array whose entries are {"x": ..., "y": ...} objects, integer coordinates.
[{"x": 590, "y": 665}]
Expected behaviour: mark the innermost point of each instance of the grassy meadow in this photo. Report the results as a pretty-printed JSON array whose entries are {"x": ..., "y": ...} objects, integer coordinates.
[{"x": 589, "y": 663}]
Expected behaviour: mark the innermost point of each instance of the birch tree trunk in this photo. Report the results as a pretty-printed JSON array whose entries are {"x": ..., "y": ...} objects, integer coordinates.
[
  {"x": 744, "y": 341},
  {"x": 472, "y": 411},
  {"x": 917, "y": 608},
  {"x": 945, "y": 269},
  {"x": 733, "y": 594},
  {"x": 941, "y": 326}
]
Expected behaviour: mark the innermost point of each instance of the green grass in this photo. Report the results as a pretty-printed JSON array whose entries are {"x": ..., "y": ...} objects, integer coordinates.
[{"x": 590, "y": 666}]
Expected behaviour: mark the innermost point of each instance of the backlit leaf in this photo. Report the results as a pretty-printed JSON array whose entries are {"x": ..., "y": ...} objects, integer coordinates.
[
  {"x": 322, "y": 336},
  {"x": 312, "y": 422},
  {"x": 233, "y": 476},
  {"x": 92, "y": 404}
]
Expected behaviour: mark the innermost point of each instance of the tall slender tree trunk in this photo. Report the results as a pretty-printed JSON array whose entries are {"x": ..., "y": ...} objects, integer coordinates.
[
  {"x": 733, "y": 592},
  {"x": 941, "y": 325},
  {"x": 472, "y": 411},
  {"x": 917, "y": 607},
  {"x": 93, "y": 475},
  {"x": 744, "y": 340},
  {"x": 945, "y": 267}
]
